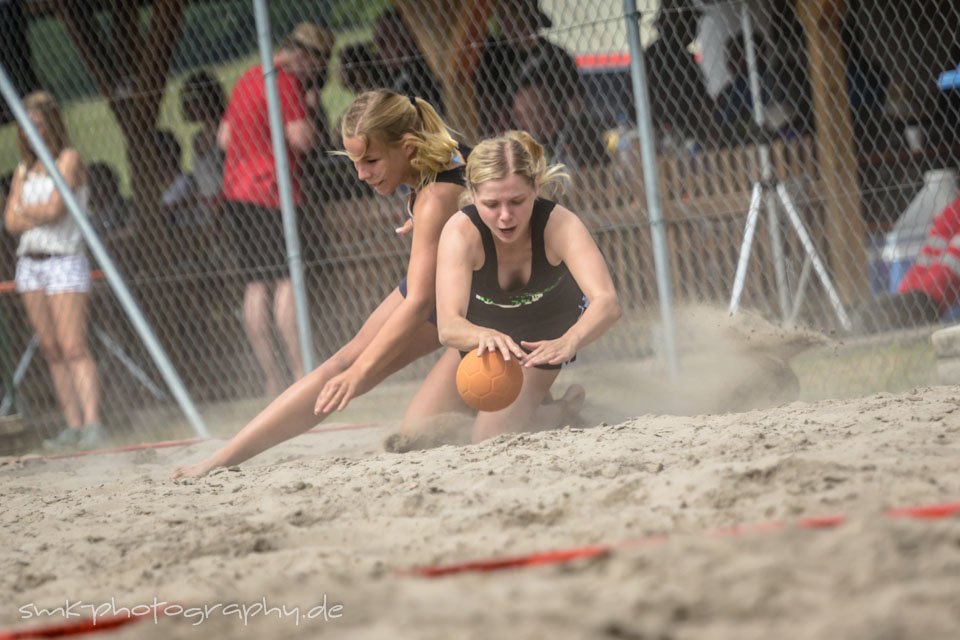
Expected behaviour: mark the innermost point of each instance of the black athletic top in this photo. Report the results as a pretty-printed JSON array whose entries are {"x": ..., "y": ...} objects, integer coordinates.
[
  {"x": 544, "y": 308},
  {"x": 457, "y": 175}
]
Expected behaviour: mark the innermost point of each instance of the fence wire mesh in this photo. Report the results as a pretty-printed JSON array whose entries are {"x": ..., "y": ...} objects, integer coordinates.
[{"x": 831, "y": 125}]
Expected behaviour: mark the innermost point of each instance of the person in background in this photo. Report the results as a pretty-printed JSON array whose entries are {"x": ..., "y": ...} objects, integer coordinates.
[
  {"x": 317, "y": 180},
  {"x": 320, "y": 41},
  {"x": 540, "y": 108},
  {"x": 867, "y": 84},
  {"x": 202, "y": 102},
  {"x": 53, "y": 273},
  {"x": 112, "y": 215},
  {"x": 252, "y": 198},
  {"x": 181, "y": 201},
  {"x": 733, "y": 111},
  {"x": 9, "y": 247},
  {"x": 678, "y": 99},
  {"x": 511, "y": 55},
  {"x": 361, "y": 68},
  {"x": 404, "y": 68}
]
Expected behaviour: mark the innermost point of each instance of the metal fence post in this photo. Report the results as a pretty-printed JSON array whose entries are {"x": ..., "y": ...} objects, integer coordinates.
[
  {"x": 648, "y": 156},
  {"x": 294, "y": 257}
]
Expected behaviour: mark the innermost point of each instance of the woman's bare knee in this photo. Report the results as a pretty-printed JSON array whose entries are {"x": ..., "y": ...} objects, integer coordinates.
[
  {"x": 74, "y": 352},
  {"x": 50, "y": 350}
]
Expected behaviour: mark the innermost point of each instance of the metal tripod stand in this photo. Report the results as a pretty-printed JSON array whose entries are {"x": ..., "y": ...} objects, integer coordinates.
[{"x": 777, "y": 199}]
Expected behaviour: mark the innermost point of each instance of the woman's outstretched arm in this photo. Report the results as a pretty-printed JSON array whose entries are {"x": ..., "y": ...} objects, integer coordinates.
[
  {"x": 433, "y": 208},
  {"x": 291, "y": 413},
  {"x": 568, "y": 240}
]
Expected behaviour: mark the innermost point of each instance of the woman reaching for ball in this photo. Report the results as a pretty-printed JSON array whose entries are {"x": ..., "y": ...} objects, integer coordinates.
[
  {"x": 393, "y": 140},
  {"x": 514, "y": 272}
]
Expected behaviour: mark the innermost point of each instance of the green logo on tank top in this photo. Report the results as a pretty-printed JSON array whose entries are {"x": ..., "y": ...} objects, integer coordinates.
[{"x": 521, "y": 300}]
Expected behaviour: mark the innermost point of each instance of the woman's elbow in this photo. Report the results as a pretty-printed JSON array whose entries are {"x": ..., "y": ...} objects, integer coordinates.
[
  {"x": 446, "y": 331},
  {"x": 442, "y": 335},
  {"x": 616, "y": 311},
  {"x": 610, "y": 303},
  {"x": 11, "y": 226}
]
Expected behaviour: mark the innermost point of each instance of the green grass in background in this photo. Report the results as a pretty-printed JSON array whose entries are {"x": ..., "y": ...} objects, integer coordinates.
[
  {"x": 884, "y": 363},
  {"x": 95, "y": 133}
]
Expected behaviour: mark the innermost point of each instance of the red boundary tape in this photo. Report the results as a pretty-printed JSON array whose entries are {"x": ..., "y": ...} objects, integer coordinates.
[
  {"x": 173, "y": 443},
  {"x": 88, "y": 625},
  {"x": 924, "y": 512},
  {"x": 77, "y": 628}
]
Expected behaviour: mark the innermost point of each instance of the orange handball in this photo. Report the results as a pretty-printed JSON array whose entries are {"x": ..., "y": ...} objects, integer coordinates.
[{"x": 488, "y": 382}]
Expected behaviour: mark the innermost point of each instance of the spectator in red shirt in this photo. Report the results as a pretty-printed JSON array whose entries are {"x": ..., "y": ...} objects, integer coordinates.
[{"x": 253, "y": 199}]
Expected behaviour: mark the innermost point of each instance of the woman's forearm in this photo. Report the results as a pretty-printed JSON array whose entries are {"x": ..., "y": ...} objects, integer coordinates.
[
  {"x": 392, "y": 337},
  {"x": 286, "y": 417},
  {"x": 17, "y": 223},
  {"x": 600, "y": 314},
  {"x": 43, "y": 213}
]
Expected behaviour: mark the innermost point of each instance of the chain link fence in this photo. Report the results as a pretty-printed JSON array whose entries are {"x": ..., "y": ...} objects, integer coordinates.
[{"x": 826, "y": 134}]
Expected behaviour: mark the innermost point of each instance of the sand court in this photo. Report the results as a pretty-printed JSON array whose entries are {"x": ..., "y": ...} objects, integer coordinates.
[{"x": 334, "y": 515}]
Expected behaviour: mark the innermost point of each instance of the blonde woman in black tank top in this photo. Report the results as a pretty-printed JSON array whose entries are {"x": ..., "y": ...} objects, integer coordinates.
[
  {"x": 513, "y": 273},
  {"x": 393, "y": 140}
]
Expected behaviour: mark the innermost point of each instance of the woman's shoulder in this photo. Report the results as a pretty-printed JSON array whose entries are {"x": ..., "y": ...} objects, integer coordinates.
[
  {"x": 71, "y": 165},
  {"x": 68, "y": 154},
  {"x": 69, "y": 161},
  {"x": 553, "y": 208},
  {"x": 445, "y": 195},
  {"x": 561, "y": 218},
  {"x": 462, "y": 228}
]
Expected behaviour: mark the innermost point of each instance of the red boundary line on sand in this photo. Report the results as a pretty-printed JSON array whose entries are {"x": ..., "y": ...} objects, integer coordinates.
[
  {"x": 559, "y": 556},
  {"x": 82, "y": 627},
  {"x": 345, "y": 427},
  {"x": 130, "y": 447},
  {"x": 171, "y": 443}
]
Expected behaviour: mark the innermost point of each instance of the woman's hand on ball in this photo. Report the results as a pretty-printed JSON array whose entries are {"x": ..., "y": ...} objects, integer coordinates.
[
  {"x": 495, "y": 341},
  {"x": 555, "y": 351}
]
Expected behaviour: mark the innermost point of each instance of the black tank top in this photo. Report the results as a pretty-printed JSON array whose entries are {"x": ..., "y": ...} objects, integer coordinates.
[
  {"x": 544, "y": 308},
  {"x": 457, "y": 175}
]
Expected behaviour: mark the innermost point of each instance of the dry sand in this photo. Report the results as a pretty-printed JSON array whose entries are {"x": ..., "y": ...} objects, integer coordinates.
[{"x": 334, "y": 515}]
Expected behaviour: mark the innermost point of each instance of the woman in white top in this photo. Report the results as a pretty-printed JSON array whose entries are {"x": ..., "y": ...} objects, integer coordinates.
[{"x": 53, "y": 273}]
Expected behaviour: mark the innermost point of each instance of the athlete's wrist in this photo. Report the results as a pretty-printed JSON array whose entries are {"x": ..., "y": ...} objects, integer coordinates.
[
  {"x": 574, "y": 339},
  {"x": 361, "y": 367}
]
